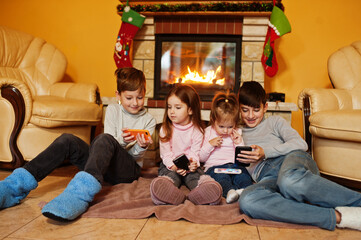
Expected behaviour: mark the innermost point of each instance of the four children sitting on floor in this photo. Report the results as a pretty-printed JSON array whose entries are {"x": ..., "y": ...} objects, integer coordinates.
[{"x": 287, "y": 188}]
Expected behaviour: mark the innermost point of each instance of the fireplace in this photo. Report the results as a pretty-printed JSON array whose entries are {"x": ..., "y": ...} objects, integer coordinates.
[
  {"x": 209, "y": 63},
  {"x": 246, "y": 30},
  {"x": 250, "y": 26}
]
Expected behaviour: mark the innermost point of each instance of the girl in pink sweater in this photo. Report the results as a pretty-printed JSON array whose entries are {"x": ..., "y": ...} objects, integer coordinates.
[
  {"x": 220, "y": 141},
  {"x": 182, "y": 133}
]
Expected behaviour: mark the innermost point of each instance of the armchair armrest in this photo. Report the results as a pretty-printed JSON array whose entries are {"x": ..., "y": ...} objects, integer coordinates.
[
  {"x": 312, "y": 100},
  {"x": 18, "y": 95},
  {"x": 322, "y": 99},
  {"x": 23, "y": 91},
  {"x": 81, "y": 91}
]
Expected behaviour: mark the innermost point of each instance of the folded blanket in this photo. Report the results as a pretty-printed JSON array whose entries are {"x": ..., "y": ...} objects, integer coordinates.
[{"x": 133, "y": 201}]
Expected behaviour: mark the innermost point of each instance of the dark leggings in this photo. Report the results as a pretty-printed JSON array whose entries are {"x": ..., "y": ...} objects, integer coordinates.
[
  {"x": 104, "y": 159},
  {"x": 190, "y": 180}
]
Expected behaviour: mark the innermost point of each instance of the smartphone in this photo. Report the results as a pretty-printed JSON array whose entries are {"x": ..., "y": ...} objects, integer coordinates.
[
  {"x": 238, "y": 150},
  {"x": 228, "y": 170},
  {"x": 182, "y": 162},
  {"x": 134, "y": 132}
]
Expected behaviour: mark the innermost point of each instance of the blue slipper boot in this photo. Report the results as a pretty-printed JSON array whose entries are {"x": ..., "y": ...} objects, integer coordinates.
[
  {"x": 74, "y": 200},
  {"x": 16, "y": 187}
]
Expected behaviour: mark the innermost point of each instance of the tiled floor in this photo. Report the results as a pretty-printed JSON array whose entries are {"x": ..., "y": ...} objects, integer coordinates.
[{"x": 25, "y": 221}]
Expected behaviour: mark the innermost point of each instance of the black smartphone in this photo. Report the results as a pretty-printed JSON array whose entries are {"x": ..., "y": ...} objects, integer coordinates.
[
  {"x": 182, "y": 162},
  {"x": 238, "y": 150}
]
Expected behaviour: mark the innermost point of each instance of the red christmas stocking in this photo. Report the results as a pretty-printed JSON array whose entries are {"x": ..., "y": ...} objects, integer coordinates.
[
  {"x": 131, "y": 23},
  {"x": 278, "y": 26},
  {"x": 268, "y": 59}
]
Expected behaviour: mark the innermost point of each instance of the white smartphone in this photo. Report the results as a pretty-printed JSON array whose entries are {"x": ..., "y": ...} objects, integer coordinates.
[{"x": 228, "y": 170}]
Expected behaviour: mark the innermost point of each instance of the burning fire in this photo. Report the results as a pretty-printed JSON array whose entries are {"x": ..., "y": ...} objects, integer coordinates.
[{"x": 194, "y": 77}]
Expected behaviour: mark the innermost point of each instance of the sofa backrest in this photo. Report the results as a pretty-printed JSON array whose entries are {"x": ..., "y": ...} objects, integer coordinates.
[
  {"x": 344, "y": 68},
  {"x": 30, "y": 59}
]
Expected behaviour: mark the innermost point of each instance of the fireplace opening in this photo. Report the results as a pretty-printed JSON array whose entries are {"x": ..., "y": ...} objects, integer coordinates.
[{"x": 209, "y": 63}]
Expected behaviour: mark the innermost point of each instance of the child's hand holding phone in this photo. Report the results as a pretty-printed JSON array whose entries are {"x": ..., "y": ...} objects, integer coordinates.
[
  {"x": 135, "y": 132},
  {"x": 255, "y": 155},
  {"x": 143, "y": 141},
  {"x": 193, "y": 165},
  {"x": 127, "y": 136},
  {"x": 181, "y": 162},
  {"x": 240, "y": 157},
  {"x": 182, "y": 172},
  {"x": 141, "y": 135},
  {"x": 184, "y": 165}
]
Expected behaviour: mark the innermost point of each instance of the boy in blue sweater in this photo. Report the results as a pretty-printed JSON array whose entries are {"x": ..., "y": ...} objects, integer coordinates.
[{"x": 288, "y": 185}]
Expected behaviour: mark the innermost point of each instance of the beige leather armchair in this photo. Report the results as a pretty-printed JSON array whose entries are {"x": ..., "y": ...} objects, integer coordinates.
[
  {"x": 35, "y": 107},
  {"x": 332, "y": 117}
]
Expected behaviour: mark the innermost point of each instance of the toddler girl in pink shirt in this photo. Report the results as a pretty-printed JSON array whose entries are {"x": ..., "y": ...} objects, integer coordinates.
[{"x": 220, "y": 141}]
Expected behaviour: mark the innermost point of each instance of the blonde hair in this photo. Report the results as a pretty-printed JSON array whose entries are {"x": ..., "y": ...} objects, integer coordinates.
[
  {"x": 223, "y": 106},
  {"x": 188, "y": 95}
]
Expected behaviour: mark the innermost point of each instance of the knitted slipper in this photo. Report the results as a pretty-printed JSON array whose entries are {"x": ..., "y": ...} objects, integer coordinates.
[
  {"x": 16, "y": 187},
  {"x": 163, "y": 191},
  {"x": 208, "y": 191},
  {"x": 74, "y": 200}
]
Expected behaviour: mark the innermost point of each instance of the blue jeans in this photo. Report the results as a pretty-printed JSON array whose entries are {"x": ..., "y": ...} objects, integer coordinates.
[
  {"x": 230, "y": 181},
  {"x": 290, "y": 189}
]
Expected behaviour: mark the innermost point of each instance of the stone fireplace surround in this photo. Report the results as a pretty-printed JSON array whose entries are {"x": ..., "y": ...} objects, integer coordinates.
[{"x": 252, "y": 26}]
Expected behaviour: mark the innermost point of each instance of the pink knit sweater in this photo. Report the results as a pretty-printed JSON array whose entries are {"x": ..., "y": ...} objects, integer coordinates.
[
  {"x": 214, "y": 156},
  {"x": 185, "y": 139}
]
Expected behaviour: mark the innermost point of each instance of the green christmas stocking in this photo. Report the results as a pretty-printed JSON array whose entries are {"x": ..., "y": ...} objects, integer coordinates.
[
  {"x": 131, "y": 23},
  {"x": 278, "y": 26}
]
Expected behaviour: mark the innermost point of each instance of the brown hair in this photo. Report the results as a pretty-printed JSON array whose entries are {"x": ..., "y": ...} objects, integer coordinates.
[
  {"x": 130, "y": 79},
  {"x": 188, "y": 95},
  {"x": 252, "y": 94},
  {"x": 223, "y": 106}
]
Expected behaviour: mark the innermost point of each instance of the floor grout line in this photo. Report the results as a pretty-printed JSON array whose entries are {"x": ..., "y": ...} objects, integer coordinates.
[
  {"x": 259, "y": 235},
  {"x": 20, "y": 227},
  {"x": 141, "y": 229}
]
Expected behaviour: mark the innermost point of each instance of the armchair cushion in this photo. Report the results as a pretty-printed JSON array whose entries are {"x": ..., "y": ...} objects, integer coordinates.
[
  {"x": 80, "y": 91},
  {"x": 50, "y": 111},
  {"x": 339, "y": 125}
]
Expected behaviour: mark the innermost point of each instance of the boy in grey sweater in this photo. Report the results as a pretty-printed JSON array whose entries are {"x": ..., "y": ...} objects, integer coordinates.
[
  {"x": 288, "y": 185},
  {"x": 112, "y": 157}
]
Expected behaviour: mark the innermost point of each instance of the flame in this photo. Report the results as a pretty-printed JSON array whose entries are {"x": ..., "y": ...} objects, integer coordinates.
[{"x": 210, "y": 77}]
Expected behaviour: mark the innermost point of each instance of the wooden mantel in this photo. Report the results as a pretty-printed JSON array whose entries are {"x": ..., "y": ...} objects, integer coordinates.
[
  {"x": 208, "y": 13},
  {"x": 197, "y": 13},
  {"x": 142, "y": 2}
]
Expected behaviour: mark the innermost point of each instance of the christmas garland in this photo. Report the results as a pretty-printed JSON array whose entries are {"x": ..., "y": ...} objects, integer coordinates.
[{"x": 204, "y": 7}]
